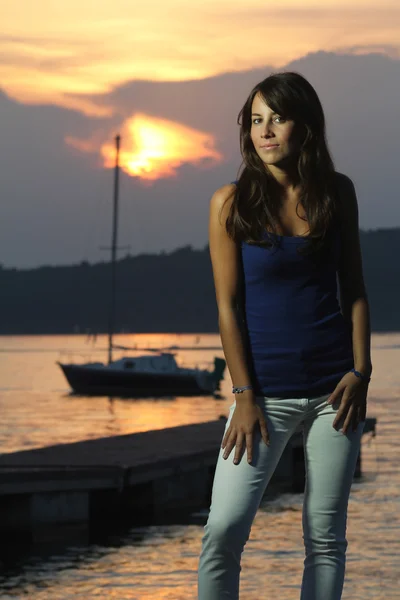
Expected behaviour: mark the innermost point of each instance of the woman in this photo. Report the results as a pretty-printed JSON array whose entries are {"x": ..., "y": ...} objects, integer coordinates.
[{"x": 279, "y": 236}]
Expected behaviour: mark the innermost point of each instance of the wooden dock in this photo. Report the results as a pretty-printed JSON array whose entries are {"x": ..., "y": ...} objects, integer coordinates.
[{"x": 58, "y": 491}]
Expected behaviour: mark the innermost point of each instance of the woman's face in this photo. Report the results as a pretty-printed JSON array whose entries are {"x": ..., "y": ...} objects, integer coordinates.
[{"x": 270, "y": 128}]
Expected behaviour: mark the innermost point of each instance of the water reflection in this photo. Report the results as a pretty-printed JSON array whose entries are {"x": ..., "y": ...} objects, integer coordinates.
[{"x": 161, "y": 562}]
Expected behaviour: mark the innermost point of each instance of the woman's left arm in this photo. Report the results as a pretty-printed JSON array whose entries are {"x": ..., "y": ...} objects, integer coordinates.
[
  {"x": 353, "y": 295},
  {"x": 355, "y": 308}
]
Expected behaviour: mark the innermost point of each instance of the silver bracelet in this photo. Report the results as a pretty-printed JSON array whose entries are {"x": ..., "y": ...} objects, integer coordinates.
[{"x": 239, "y": 390}]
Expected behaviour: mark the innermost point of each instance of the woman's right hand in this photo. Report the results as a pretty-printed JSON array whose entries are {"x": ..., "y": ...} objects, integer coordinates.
[{"x": 246, "y": 416}]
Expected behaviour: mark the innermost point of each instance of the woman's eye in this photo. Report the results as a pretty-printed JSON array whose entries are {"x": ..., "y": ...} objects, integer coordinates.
[{"x": 255, "y": 120}]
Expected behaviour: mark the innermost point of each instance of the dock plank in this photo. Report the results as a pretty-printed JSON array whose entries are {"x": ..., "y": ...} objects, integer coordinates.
[
  {"x": 124, "y": 460},
  {"x": 129, "y": 450},
  {"x": 147, "y": 476}
]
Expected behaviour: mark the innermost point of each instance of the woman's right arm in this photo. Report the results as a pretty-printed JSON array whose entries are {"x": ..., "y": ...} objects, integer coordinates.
[
  {"x": 225, "y": 264},
  {"x": 227, "y": 280}
]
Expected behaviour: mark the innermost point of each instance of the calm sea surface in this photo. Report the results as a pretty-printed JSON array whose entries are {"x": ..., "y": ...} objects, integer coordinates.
[{"x": 161, "y": 562}]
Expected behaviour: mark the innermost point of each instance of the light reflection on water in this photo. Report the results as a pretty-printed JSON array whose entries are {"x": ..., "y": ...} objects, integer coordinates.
[{"x": 158, "y": 563}]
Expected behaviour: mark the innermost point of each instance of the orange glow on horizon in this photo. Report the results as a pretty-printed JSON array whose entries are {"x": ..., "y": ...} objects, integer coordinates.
[{"x": 153, "y": 148}]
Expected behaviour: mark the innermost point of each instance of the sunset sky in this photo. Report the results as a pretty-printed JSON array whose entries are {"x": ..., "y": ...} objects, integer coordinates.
[
  {"x": 108, "y": 66},
  {"x": 60, "y": 52}
]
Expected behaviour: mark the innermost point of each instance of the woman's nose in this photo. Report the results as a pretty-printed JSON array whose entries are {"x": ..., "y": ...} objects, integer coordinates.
[{"x": 267, "y": 129}]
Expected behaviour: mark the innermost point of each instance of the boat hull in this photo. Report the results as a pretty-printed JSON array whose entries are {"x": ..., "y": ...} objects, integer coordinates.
[{"x": 91, "y": 381}]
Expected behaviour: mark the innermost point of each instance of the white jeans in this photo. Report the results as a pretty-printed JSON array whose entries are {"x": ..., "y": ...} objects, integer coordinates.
[{"x": 330, "y": 459}]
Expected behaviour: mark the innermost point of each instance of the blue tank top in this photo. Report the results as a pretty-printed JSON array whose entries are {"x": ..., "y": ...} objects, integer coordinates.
[{"x": 298, "y": 343}]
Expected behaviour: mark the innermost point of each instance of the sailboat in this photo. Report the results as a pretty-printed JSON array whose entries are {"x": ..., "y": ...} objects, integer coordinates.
[{"x": 153, "y": 374}]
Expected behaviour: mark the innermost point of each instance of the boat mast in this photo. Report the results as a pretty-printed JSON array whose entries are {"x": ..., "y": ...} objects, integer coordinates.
[{"x": 111, "y": 321}]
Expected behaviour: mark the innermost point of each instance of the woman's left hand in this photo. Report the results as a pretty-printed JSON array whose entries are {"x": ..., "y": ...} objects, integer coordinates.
[{"x": 353, "y": 405}]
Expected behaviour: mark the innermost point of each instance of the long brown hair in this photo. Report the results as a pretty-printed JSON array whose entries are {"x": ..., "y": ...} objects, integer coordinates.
[{"x": 255, "y": 205}]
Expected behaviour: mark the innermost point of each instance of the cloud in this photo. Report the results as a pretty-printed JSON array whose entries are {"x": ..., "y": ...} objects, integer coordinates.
[
  {"x": 58, "y": 53},
  {"x": 385, "y": 49},
  {"x": 56, "y": 199}
]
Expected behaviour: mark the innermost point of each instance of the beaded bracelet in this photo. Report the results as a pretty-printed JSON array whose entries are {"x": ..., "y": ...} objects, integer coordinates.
[
  {"x": 360, "y": 375},
  {"x": 239, "y": 390}
]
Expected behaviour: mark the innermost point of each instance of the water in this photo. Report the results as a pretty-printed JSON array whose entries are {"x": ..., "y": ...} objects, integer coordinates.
[{"x": 160, "y": 563}]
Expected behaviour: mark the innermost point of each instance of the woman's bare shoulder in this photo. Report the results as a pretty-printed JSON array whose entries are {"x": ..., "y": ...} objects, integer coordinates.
[
  {"x": 225, "y": 191},
  {"x": 223, "y": 197}
]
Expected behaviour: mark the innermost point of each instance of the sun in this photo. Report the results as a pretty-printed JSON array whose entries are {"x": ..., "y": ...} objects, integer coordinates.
[{"x": 154, "y": 148}]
